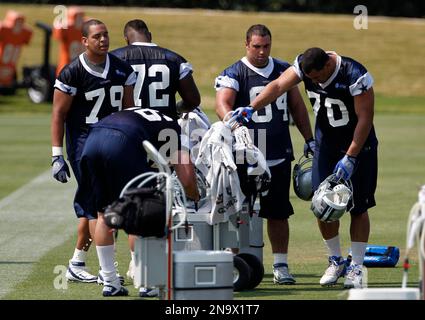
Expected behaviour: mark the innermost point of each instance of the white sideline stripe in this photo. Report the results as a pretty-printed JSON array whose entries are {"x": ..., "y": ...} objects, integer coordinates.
[{"x": 34, "y": 219}]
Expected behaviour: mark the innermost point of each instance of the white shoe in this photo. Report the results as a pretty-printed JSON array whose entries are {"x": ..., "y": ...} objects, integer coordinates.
[
  {"x": 354, "y": 277},
  {"x": 148, "y": 292},
  {"x": 114, "y": 288},
  {"x": 281, "y": 274},
  {"x": 77, "y": 271},
  {"x": 335, "y": 270},
  {"x": 130, "y": 272}
]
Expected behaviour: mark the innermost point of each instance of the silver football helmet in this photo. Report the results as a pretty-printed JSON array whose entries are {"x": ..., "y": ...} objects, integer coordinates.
[
  {"x": 302, "y": 177},
  {"x": 330, "y": 200}
]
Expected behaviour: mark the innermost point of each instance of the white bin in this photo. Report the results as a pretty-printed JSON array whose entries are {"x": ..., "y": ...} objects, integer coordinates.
[{"x": 203, "y": 275}]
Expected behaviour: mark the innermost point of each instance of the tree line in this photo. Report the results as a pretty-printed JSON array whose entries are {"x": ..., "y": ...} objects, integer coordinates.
[{"x": 394, "y": 8}]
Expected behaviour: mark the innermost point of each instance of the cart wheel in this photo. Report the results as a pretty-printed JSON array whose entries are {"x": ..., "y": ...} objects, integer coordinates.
[
  {"x": 40, "y": 88},
  {"x": 241, "y": 274},
  {"x": 257, "y": 269},
  {"x": 38, "y": 92}
]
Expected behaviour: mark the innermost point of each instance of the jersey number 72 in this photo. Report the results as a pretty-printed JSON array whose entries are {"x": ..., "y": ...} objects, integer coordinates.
[{"x": 153, "y": 87}]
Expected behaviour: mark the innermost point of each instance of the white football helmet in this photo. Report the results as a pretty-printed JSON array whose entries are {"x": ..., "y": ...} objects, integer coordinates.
[
  {"x": 202, "y": 189},
  {"x": 330, "y": 200},
  {"x": 301, "y": 178}
]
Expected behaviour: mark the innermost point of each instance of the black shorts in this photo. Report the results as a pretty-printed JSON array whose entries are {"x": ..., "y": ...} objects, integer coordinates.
[
  {"x": 75, "y": 165},
  {"x": 364, "y": 178},
  {"x": 74, "y": 151},
  {"x": 276, "y": 204}
]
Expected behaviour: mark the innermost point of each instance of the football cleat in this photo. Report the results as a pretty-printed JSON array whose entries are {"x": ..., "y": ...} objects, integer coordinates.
[
  {"x": 335, "y": 270},
  {"x": 281, "y": 274},
  {"x": 114, "y": 289},
  {"x": 354, "y": 277},
  {"x": 77, "y": 271},
  {"x": 148, "y": 292}
]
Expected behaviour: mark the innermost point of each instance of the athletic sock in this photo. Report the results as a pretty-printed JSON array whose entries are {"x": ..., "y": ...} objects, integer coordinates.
[
  {"x": 106, "y": 256},
  {"x": 133, "y": 255},
  {"x": 79, "y": 255},
  {"x": 334, "y": 246},
  {"x": 358, "y": 250},
  {"x": 280, "y": 258}
]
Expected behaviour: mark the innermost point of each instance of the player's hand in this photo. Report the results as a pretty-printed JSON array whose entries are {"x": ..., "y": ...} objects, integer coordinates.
[
  {"x": 309, "y": 147},
  {"x": 60, "y": 169},
  {"x": 243, "y": 114},
  {"x": 345, "y": 167}
]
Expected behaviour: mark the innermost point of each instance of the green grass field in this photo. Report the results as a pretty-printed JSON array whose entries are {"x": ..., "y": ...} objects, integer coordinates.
[{"x": 392, "y": 49}]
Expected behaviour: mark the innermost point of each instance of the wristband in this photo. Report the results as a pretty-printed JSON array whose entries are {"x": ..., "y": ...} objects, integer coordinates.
[{"x": 57, "y": 151}]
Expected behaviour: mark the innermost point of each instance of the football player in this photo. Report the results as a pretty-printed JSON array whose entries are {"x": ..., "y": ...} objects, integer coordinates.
[
  {"x": 105, "y": 172},
  {"x": 161, "y": 73},
  {"x": 92, "y": 86},
  {"x": 236, "y": 87},
  {"x": 341, "y": 93}
]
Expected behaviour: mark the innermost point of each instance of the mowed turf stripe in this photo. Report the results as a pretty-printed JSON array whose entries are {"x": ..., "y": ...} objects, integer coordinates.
[{"x": 34, "y": 219}]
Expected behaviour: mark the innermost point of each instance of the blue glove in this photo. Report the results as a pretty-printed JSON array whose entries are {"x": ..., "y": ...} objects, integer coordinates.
[
  {"x": 60, "y": 169},
  {"x": 345, "y": 167},
  {"x": 243, "y": 114},
  {"x": 309, "y": 147}
]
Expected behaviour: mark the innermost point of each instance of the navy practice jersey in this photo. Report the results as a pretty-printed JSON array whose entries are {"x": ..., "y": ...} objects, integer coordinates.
[
  {"x": 159, "y": 71},
  {"x": 333, "y": 102},
  {"x": 146, "y": 124},
  {"x": 114, "y": 153},
  {"x": 270, "y": 124},
  {"x": 95, "y": 96}
]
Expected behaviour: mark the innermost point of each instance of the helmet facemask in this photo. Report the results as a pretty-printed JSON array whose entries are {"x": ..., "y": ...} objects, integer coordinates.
[
  {"x": 331, "y": 199},
  {"x": 302, "y": 178}
]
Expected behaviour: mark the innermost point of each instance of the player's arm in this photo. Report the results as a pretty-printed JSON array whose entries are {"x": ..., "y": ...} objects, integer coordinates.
[
  {"x": 128, "y": 97},
  {"x": 364, "y": 108},
  {"x": 299, "y": 113},
  {"x": 276, "y": 88},
  {"x": 186, "y": 173},
  {"x": 189, "y": 93},
  {"x": 61, "y": 106},
  {"x": 224, "y": 101}
]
